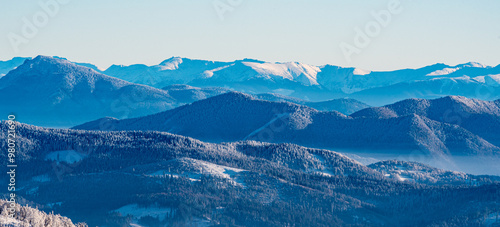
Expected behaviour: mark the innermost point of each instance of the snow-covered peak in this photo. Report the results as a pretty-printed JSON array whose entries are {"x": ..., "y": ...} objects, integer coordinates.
[
  {"x": 171, "y": 63},
  {"x": 444, "y": 71},
  {"x": 473, "y": 65},
  {"x": 451, "y": 69},
  {"x": 56, "y": 70},
  {"x": 251, "y": 60},
  {"x": 294, "y": 71},
  {"x": 42, "y": 59}
]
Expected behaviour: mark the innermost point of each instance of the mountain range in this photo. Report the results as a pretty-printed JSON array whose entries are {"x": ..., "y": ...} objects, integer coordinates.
[
  {"x": 236, "y": 116},
  {"x": 62, "y": 94},
  {"x": 318, "y": 83},
  {"x": 249, "y": 143},
  {"x": 54, "y": 92},
  {"x": 157, "y": 178},
  {"x": 313, "y": 83}
]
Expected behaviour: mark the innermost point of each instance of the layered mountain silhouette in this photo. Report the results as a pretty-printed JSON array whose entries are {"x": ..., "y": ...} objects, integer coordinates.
[
  {"x": 344, "y": 105},
  {"x": 318, "y": 83},
  {"x": 185, "y": 94},
  {"x": 51, "y": 91},
  {"x": 312, "y": 83},
  {"x": 480, "y": 87},
  {"x": 235, "y": 116},
  {"x": 250, "y": 143},
  {"x": 479, "y": 117}
]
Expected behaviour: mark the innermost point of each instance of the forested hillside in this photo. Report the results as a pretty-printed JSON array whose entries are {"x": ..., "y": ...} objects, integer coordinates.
[{"x": 179, "y": 180}]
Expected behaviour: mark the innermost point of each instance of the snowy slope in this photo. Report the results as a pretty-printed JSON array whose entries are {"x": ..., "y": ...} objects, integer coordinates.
[
  {"x": 334, "y": 78},
  {"x": 183, "y": 71},
  {"x": 318, "y": 83},
  {"x": 174, "y": 70},
  {"x": 309, "y": 82},
  {"x": 294, "y": 71}
]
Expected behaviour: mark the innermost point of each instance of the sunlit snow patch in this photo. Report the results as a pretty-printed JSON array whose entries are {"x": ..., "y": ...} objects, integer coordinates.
[
  {"x": 302, "y": 73},
  {"x": 164, "y": 173},
  {"x": 442, "y": 72},
  {"x": 194, "y": 169},
  {"x": 361, "y": 72},
  {"x": 172, "y": 64}
]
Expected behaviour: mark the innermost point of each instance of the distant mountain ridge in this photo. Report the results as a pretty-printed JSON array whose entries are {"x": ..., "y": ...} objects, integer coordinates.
[
  {"x": 345, "y": 106},
  {"x": 185, "y": 94},
  {"x": 317, "y": 83},
  {"x": 321, "y": 82}
]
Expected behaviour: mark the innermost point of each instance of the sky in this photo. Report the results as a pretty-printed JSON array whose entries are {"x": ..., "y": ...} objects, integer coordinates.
[{"x": 368, "y": 34}]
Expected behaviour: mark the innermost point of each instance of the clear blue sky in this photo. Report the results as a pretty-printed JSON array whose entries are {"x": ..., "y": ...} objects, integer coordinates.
[{"x": 125, "y": 32}]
